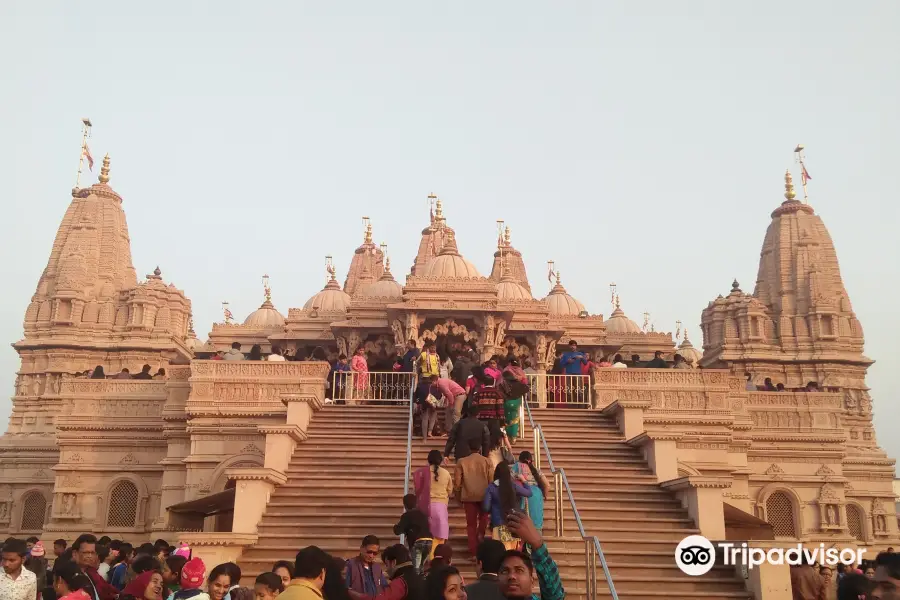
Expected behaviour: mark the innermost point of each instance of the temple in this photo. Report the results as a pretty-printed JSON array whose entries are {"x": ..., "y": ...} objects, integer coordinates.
[{"x": 136, "y": 458}]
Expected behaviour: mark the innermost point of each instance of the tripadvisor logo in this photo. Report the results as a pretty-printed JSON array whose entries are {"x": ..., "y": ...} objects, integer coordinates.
[{"x": 695, "y": 555}]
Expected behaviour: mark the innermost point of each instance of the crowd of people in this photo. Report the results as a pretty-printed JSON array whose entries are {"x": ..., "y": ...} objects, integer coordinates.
[
  {"x": 106, "y": 569},
  {"x": 769, "y": 386},
  {"x": 145, "y": 373},
  {"x": 877, "y": 579}
]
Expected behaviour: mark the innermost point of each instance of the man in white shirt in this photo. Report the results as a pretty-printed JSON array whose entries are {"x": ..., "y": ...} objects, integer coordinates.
[
  {"x": 618, "y": 363},
  {"x": 16, "y": 582},
  {"x": 276, "y": 354}
]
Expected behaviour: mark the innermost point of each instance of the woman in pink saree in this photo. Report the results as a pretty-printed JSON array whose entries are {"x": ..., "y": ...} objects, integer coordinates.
[{"x": 360, "y": 367}]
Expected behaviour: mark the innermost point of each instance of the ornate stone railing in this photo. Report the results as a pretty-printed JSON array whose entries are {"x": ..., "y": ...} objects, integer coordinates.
[
  {"x": 795, "y": 410},
  {"x": 112, "y": 398},
  {"x": 663, "y": 389},
  {"x": 252, "y": 387}
]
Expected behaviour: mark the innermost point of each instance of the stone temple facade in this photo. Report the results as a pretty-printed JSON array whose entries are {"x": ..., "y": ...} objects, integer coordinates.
[{"x": 111, "y": 456}]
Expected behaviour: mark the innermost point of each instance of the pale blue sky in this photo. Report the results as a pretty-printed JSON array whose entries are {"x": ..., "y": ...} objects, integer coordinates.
[{"x": 636, "y": 142}]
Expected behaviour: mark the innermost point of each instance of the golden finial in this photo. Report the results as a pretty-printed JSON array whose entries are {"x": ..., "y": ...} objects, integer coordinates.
[
  {"x": 104, "y": 170},
  {"x": 789, "y": 186},
  {"x": 438, "y": 209},
  {"x": 266, "y": 289},
  {"x": 557, "y": 278},
  {"x": 386, "y": 261},
  {"x": 617, "y": 301},
  {"x": 506, "y": 235}
]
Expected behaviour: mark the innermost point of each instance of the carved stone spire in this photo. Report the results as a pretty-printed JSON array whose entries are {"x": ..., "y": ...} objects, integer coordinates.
[
  {"x": 507, "y": 256},
  {"x": 799, "y": 310},
  {"x": 432, "y": 237},
  {"x": 368, "y": 257}
]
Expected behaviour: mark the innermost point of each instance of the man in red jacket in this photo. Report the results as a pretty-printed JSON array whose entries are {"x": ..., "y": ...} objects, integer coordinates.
[{"x": 84, "y": 552}]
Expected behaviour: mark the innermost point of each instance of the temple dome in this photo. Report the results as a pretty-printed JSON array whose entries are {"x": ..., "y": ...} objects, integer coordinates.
[
  {"x": 331, "y": 299},
  {"x": 265, "y": 317},
  {"x": 385, "y": 287},
  {"x": 510, "y": 290},
  {"x": 449, "y": 262},
  {"x": 619, "y": 323},
  {"x": 561, "y": 303},
  {"x": 687, "y": 350}
]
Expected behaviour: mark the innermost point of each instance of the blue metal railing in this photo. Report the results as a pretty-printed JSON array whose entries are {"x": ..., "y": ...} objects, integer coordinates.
[{"x": 592, "y": 549}]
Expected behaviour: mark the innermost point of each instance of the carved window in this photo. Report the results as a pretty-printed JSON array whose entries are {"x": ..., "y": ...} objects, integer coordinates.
[
  {"x": 780, "y": 515},
  {"x": 123, "y": 501},
  {"x": 855, "y": 523},
  {"x": 34, "y": 509},
  {"x": 827, "y": 326}
]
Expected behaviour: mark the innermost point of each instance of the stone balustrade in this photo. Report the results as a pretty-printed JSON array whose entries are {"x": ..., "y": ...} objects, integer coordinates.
[{"x": 95, "y": 398}]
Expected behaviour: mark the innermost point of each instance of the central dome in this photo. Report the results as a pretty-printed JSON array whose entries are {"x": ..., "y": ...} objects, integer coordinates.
[
  {"x": 449, "y": 263},
  {"x": 265, "y": 317},
  {"x": 331, "y": 299},
  {"x": 619, "y": 323}
]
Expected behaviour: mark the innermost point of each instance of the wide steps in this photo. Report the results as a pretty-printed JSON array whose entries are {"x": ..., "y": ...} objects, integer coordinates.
[{"x": 346, "y": 481}]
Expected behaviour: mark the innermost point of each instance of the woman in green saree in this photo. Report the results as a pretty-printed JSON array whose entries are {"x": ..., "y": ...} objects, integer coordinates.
[{"x": 514, "y": 377}]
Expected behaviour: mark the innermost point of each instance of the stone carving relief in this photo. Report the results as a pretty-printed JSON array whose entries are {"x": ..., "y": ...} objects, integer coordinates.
[
  {"x": 397, "y": 328},
  {"x": 251, "y": 449},
  {"x": 5, "y": 511},
  {"x": 825, "y": 471},
  {"x": 412, "y": 326},
  {"x": 488, "y": 333},
  {"x": 129, "y": 459},
  {"x": 71, "y": 481},
  {"x": 68, "y": 504},
  {"x": 879, "y": 517},
  {"x": 831, "y": 509},
  {"x": 775, "y": 471}
]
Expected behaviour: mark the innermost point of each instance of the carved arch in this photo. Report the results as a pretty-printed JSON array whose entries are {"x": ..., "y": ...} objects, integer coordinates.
[
  {"x": 143, "y": 497},
  {"x": 796, "y": 504},
  {"x": 685, "y": 469},
  {"x": 864, "y": 533},
  {"x": 218, "y": 479},
  {"x": 31, "y": 508}
]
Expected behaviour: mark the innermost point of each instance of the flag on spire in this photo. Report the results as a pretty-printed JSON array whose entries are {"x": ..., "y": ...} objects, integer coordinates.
[
  {"x": 804, "y": 173},
  {"x": 87, "y": 155}
]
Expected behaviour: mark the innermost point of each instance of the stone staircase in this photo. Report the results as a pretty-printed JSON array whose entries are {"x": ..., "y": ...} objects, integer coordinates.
[{"x": 346, "y": 481}]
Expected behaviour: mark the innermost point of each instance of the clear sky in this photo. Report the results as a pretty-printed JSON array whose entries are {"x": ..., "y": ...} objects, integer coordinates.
[{"x": 638, "y": 142}]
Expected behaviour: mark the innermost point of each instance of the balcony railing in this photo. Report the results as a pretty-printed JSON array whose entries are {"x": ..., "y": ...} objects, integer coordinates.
[
  {"x": 560, "y": 391},
  {"x": 352, "y": 387}
]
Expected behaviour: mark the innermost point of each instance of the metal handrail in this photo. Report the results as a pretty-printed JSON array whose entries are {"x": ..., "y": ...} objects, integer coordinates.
[
  {"x": 592, "y": 547},
  {"x": 409, "y": 436}
]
